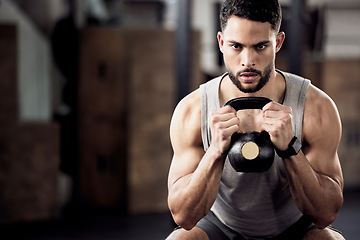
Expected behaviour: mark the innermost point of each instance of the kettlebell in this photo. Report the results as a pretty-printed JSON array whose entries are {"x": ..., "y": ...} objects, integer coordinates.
[{"x": 251, "y": 151}]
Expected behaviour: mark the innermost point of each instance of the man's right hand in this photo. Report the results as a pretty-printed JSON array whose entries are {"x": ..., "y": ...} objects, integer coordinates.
[{"x": 223, "y": 123}]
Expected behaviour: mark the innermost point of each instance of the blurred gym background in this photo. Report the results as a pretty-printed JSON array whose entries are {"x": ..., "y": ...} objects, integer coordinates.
[{"x": 87, "y": 90}]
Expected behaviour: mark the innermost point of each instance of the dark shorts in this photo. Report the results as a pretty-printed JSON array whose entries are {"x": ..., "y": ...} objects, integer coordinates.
[{"x": 216, "y": 230}]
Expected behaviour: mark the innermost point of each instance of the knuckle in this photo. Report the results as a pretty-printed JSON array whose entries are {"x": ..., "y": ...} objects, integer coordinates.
[
  {"x": 213, "y": 114},
  {"x": 213, "y": 118},
  {"x": 217, "y": 126},
  {"x": 213, "y": 122},
  {"x": 272, "y": 104},
  {"x": 267, "y": 114},
  {"x": 290, "y": 110},
  {"x": 288, "y": 120},
  {"x": 228, "y": 109}
]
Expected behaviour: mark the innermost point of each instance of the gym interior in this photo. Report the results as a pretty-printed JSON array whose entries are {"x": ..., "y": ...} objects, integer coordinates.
[{"x": 87, "y": 92}]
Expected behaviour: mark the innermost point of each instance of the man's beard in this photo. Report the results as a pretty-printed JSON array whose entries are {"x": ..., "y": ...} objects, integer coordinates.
[{"x": 264, "y": 78}]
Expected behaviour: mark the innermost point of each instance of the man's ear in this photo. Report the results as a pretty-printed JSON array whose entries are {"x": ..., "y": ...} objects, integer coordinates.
[
  {"x": 220, "y": 38},
  {"x": 279, "y": 40}
]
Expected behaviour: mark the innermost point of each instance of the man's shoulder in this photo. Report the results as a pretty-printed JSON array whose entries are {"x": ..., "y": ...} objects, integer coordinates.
[
  {"x": 321, "y": 122},
  {"x": 193, "y": 99},
  {"x": 319, "y": 106},
  {"x": 186, "y": 120},
  {"x": 316, "y": 96},
  {"x": 189, "y": 105}
]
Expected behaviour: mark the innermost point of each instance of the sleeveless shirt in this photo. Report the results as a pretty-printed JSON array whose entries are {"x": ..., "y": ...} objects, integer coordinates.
[{"x": 257, "y": 205}]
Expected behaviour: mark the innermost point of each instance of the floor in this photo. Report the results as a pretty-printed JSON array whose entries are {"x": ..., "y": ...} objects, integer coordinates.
[{"x": 156, "y": 226}]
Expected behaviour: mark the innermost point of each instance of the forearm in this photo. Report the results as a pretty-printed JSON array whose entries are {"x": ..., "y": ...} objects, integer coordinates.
[
  {"x": 316, "y": 194},
  {"x": 191, "y": 197}
]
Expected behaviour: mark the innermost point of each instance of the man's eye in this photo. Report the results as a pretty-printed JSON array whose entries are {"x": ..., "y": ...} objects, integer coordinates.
[
  {"x": 236, "y": 46},
  {"x": 261, "y": 47}
]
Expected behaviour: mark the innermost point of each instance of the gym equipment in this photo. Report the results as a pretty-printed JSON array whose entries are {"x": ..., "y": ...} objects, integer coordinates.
[{"x": 251, "y": 151}]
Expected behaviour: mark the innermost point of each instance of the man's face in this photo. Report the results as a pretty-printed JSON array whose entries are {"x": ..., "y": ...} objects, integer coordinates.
[{"x": 249, "y": 50}]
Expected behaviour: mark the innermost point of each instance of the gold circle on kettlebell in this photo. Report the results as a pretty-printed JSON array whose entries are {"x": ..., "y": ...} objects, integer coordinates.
[{"x": 250, "y": 150}]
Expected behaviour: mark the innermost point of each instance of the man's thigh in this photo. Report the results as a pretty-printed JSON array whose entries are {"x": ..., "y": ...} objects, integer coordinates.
[
  {"x": 193, "y": 234},
  {"x": 323, "y": 234}
]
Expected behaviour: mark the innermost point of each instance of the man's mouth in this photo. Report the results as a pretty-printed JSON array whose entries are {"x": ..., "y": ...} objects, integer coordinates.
[{"x": 248, "y": 77}]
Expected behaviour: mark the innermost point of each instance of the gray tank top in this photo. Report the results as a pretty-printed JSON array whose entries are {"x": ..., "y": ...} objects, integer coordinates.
[{"x": 257, "y": 205}]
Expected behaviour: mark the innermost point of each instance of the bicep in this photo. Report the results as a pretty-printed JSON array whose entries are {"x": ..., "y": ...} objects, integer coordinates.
[
  {"x": 185, "y": 136},
  {"x": 322, "y": 133}
]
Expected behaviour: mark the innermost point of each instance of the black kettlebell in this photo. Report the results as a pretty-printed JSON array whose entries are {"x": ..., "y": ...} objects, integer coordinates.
[{"x": 251, "y": 151}]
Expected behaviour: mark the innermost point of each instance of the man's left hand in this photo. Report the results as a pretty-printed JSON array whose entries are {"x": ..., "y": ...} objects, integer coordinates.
[{"x": 278, "y": 123}]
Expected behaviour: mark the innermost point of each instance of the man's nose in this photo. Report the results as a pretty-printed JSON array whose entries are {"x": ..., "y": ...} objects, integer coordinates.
[{"x": 247, "y": 58}]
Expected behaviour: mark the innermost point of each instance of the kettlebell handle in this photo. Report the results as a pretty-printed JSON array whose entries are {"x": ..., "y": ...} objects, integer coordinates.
[
  {"x": 248, "y": 103},
  {"x": 251, "y": 151}
]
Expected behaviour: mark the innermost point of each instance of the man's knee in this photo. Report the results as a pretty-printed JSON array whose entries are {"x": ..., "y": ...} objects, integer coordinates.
[
  {"x": 323, "y": 234},
  {"x": 193, "y": 234}
]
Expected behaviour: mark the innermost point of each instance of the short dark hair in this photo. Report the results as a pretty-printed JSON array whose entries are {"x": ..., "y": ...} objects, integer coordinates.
[{"x": 254, "y": 10}]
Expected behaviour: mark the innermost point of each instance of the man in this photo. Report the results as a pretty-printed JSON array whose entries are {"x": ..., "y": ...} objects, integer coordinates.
[{"x": 301, "y": 194}]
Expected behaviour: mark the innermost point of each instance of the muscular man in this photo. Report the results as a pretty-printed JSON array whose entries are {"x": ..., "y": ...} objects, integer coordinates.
[{"x": 301, "y": 194}]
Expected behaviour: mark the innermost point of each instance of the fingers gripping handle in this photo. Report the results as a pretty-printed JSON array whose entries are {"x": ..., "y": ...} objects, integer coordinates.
[
  {"x": 248, "y": 103},
  {"x": 251, "y": 151}
]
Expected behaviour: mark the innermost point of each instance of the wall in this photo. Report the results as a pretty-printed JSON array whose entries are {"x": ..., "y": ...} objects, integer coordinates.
[
  {"x": 29, "y": 154},
  {"x": 126, "y": 100},
  {"x": 34, "y": 66}
]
